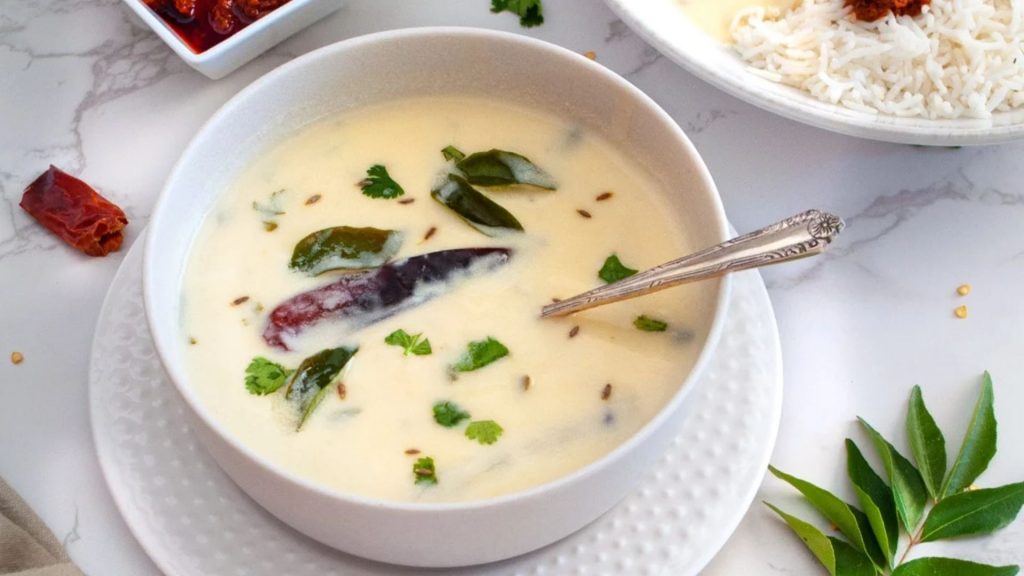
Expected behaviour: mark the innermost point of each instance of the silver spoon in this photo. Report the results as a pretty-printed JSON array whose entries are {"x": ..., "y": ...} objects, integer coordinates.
[{"x": 805, "y": 234}]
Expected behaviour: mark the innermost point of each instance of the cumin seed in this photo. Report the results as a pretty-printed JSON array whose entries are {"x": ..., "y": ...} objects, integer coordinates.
[
  {"x": 364, "y": 183},
  {"x": 239, "y": 300},
  {"x": 526, "y": 382},
  {"x": 556, "y": 300},
  {"x": 430, "y": 233},
  {"x": 424, "y": 472},
  {"x": 575, "y": 330},
  {"x": 412, "y": 451},
  {"x": 313, "y": 199},
  {"x": 584, "y": 213},
  {"x": 270, "y": 226},
  {"x": 342, "y": 391},
  {"x": 604, "y": 196},
  {"x": 606, "y": 392},
  {"x": 406, "y": 200}
]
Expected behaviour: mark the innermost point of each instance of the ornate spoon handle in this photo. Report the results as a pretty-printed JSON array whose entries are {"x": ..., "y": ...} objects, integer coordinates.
[{"x": 805, "y": 234}]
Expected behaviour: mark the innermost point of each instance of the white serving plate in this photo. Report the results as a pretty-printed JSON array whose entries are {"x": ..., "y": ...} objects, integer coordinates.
[
  {"x": 664, "y": 25},
  {"x": 240, "y": 48},
  {"x": 193, "y": 520}
]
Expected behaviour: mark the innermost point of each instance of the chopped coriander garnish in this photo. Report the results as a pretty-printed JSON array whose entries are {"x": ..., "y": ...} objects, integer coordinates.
[
  {"x": 648, "y": 324},
  {"x": 484, "y": 431},
  {"x": 530, "y": 12},
  {"x": 412, "y": 343},
  {"x": 264, "y": 377},
  {"x": 270, "y": 211},
  {"x": 452, "y": 153},
  {"x": 614, "y": 270},
  {"x": 424, "y": 471},
  {"x": 449, "y": 414},
  {"x": 479, "y": 354},
  {"x": 379, "y": 184}
]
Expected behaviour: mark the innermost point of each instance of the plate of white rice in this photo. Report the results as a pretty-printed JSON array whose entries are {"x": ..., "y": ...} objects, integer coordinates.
[{"x": 950, "y": 76}]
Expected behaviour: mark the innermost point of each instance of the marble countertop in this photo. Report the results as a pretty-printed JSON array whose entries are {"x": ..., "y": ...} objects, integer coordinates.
[{"x": 84, "y": 87}]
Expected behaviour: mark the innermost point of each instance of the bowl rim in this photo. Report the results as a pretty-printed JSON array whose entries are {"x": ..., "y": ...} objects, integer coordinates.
[
  {"x": 223, "y": 48},
  {"x": 163, "y": 342},
  {"x": 795, "y": 104}
]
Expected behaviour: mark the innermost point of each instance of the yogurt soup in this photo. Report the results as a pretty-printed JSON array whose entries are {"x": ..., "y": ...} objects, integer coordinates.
[{"x": 363, "y": 308}]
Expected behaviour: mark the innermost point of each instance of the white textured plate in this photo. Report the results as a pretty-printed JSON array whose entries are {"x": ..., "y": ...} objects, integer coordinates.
[
  {"x": 193, "y": 521},
  {"x": 664, "y": 25}
]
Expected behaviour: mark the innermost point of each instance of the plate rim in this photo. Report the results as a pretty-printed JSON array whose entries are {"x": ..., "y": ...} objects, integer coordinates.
[{"x": 797, "y": 105}]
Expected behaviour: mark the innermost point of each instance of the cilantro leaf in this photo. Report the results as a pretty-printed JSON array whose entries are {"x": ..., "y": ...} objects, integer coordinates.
[
  {"x": 452, "y": 153},
  {"x": 530, "y": 12},
  {"x": 378, "y": 184},
  {"x": 648, "y": 324},
  {"x": 424, "y": 471},
  {"x": 484, "y": 431},
  {"x": 479, "y": 354},
  {"x": 264, "y": 377},
  {"x": 449, "y": 414},
  {"x": 614, "y": 270},
  {"x": 412, "y": 343}
]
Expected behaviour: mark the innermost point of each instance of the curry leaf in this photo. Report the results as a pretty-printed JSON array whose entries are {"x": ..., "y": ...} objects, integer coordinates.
[
  {"x": 926, "y": 443},
  {"x": 979, "y": 445},
  {"x": 814, "y": 539},
  {"x": 503, "y": 168},
  {"x": 471, "y": 205},
  {"x": 452, "y": 153},
  {"x": 974, "y": 512},
  {"x": 838, "y": 557},
  {"x": 850, "y": 561},
  {"x": 309, "y": 383},
  {"x": 951, "y": 567},
  {"x": 908, "y": 489},
  {"x": 875, "y": 497},
  {"x": 850, "y": 521},
  {"x": 344, "y": 248}
]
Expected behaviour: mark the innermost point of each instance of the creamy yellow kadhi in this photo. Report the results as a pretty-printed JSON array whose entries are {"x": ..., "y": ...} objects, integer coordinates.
[{"x": 400, "y": 421}]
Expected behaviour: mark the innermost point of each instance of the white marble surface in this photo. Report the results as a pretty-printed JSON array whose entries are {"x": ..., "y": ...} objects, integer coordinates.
[{"x": 84, "y": 88}]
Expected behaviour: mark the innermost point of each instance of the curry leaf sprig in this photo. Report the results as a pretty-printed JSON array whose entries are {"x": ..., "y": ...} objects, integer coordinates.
[{"x": 924, "y": 503}]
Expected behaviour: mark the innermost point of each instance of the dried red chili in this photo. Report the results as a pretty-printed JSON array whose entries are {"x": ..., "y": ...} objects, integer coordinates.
[
  {"x": 75, "y": 212},
  {"x": 871, "y": 10}
]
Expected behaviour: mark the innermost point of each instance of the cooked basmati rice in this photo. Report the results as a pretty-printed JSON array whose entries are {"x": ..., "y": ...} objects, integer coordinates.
[{"x": 958, "y": 59}]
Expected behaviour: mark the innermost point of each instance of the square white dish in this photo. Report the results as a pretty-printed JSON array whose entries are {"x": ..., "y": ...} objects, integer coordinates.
[{"x": 248, "y": 43}]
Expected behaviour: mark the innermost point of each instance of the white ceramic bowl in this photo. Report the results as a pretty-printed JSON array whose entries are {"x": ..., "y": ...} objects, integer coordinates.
[
  {"x": 250, "y": 42},
  {"x": 664, "y": 24},
  {"x": 406, "y": 63}
]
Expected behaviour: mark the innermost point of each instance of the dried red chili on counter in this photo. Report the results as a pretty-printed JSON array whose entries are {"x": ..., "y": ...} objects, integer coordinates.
[
  {"x": 75, "y": 212},
  {"x": 871, "y": 10},
  {"x": 202, "y": 24}
]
